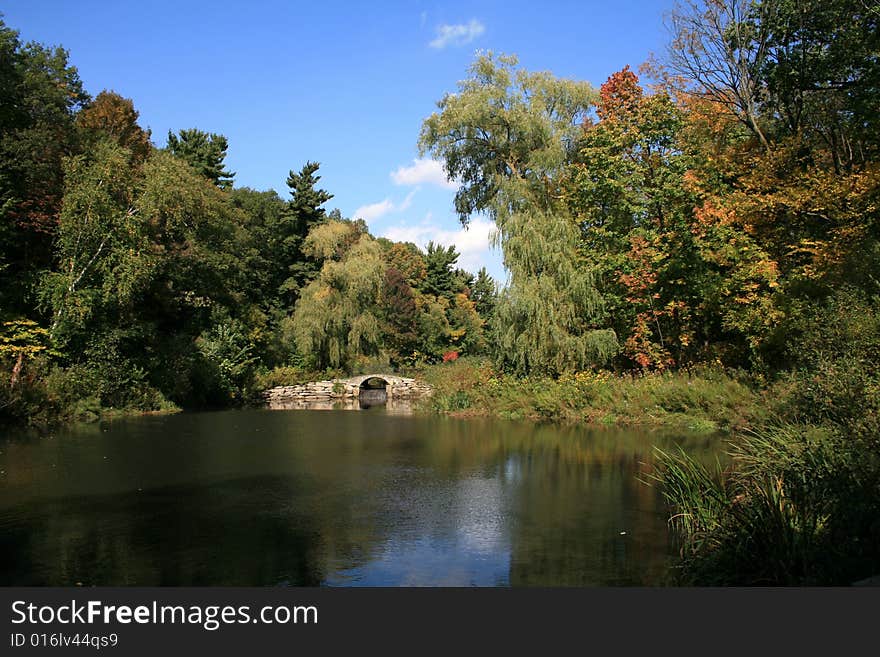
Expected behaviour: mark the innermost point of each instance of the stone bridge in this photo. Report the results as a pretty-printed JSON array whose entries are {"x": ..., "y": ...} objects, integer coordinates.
[{"x": 396, "y": 387}]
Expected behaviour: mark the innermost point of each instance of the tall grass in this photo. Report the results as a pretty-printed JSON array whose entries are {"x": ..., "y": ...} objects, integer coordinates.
[
  {"x": 800, "y": 505},
  {"x": 703, "y": 400}
]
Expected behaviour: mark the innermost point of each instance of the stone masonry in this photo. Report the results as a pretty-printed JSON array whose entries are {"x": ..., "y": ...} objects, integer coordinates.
[{"x": 396, "y": 387}]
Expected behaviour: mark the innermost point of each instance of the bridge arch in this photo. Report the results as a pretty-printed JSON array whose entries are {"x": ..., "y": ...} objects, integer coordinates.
[
  {"x": 376, "y": 382},
  {"x": 395, "y": 387}
]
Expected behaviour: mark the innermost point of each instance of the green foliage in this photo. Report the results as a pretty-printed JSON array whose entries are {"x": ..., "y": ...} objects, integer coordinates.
[
  {"x": 484, "y": 293},
  {"x": 41, "y": 94},
  {"x": 98, "y": 236},
  {"x": 834, "y": 354},
  {"x": 282, "y": 375},
  {"x": 822, "y": 73},
  {"x": 302, "y": 214},
  {"x": 230, "y": 357},
  {"x": 368, "y": 365},
  {"x": 306, "y": 200},
  {"x": 704, "y": 401},
  {"x": 547, "y": 320},
  {"x": 204, "y": 152},
  {"x": 434, "y": 330},
  {"x": 134, "y": 257},
  {"x": 440, "y": 275},
  {"x": 336, "y": 318},
  {"x": 506, "y": 135},
  {"x": 503, "y": 133},
  {"x": 799, "y": 506},
  {"x": 25, "y": 402},
  {"x": 262, "y": 267}
]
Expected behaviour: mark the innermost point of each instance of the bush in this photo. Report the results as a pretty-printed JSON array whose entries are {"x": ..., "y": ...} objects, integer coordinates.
[
  {"x": 48, "y": 394},
  {"x": 835, "y": 354},
  {"x": 283, "y": 375},
  {"x": 228, "y": 362}
]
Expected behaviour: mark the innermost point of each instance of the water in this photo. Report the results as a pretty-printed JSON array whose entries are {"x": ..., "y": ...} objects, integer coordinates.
[{"x": 334, "y": 498}]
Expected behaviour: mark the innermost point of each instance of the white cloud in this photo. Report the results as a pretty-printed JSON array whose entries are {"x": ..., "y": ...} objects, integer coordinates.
[
  {"x": 457, "y": 35},
  {"x": 380, "y": 209},
  {"x": 473, "y": 242},
  {"x": 423, "y": 170},
  {"x": 374, "y": 210}
]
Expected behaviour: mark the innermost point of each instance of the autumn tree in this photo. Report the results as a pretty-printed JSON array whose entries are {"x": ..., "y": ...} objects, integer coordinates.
[
  {"x": 803, "y": 194},
  {"x": 409, "y": 260},
  {"x": 111, "y": 115},
  {"x": 675, "y": 281}
]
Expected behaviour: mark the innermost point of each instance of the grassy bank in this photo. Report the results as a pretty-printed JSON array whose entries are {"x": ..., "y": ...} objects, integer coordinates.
[
  {"x": 798, "y": 505},
  {"x": 703, "y": 400}
]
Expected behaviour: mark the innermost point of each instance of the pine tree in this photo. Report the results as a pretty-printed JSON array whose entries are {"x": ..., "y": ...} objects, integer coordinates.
[
  {"x": 204, "y": 152},
  {"x": 303, "y": 213},
  {"x": 441, "y": 279},
  {"x": 484, "y": 294}
]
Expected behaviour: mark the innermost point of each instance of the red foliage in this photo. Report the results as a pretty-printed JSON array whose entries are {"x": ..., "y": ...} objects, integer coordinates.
[
  {"x": 450, "y": 356},
  {"x": 619, "y": 96}
]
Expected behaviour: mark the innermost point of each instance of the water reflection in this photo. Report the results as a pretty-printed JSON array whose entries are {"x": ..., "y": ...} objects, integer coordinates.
[
  {"x": 367, "y": 399},
  {"x": 308, "y": 498}
]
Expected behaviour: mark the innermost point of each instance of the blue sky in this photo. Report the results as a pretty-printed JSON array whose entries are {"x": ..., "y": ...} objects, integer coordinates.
[{"x": 342, "y": 83}]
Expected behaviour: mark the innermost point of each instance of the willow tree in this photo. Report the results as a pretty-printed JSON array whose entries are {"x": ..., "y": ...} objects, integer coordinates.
[
  {"x": 336, "y": 318},
  {"x": 506, "y": 136}
]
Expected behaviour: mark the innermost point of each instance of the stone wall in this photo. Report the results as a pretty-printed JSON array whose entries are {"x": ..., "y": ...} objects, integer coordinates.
[{"x": 342, "y": 390}]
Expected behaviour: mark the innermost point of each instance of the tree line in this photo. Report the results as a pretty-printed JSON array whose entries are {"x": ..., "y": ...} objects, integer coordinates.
[
  {"x": 139, "y": 277},
  {"x": 693, "y": 221},
  {"x": 707, "y": 218}
]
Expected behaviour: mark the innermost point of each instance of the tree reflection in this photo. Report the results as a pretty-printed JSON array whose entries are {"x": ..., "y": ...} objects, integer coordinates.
[{"x": 307, "y": 498}]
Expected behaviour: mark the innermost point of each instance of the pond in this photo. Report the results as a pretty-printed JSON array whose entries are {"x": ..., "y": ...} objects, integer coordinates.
[{"x": 334, "y": 498}]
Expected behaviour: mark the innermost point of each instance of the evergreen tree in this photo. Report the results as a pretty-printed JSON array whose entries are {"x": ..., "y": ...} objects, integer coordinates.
[
  {"x": 204, "y": 152},
  {"x": 484, "y": 294},
  {"x": 303, "y": 213},
  {"x": 441, "y": 280}
]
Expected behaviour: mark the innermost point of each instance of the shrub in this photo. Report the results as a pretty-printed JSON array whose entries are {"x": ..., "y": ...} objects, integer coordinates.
[{"x": 835, "y": 354}]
